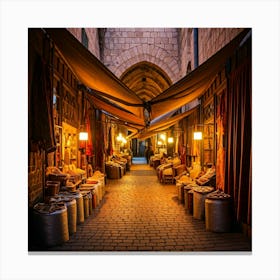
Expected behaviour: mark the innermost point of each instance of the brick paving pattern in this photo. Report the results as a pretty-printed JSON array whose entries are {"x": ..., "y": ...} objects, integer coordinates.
[{"x": 140, "y": 214}]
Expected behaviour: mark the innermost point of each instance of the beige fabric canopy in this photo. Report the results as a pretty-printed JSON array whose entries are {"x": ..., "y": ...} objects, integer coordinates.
[
  {"x": 163, "y": 125},
  {"x": 196, "y": 82},
  {"x": 113, "y": 96},
  {"x": 117, "y": 112},
  {"x": 93, "y": 74}
]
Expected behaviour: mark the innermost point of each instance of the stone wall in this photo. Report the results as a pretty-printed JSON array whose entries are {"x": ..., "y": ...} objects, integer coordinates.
[
  {"x": 186, "y": 50},
  {"x": 93, "y": 40},
  {"x": 124, "y": 47},
  {"x": 172, "y": 49},
  {"x": 210, "y": 40}
]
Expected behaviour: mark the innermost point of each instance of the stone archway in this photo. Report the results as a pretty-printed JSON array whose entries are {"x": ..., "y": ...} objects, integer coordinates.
[
  {"x": 149, "y": 53},
  {"x": 146, "y": 79}
]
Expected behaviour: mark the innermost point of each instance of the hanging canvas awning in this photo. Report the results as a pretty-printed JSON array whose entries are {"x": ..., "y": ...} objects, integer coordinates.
[
  {"x": 196, "y": 82},
  {"x": 116, "y": 111},
  {"x": 113, "y": 96},
  {"x": 163, "y": 124},
  {"x": 93, "y": 74}
]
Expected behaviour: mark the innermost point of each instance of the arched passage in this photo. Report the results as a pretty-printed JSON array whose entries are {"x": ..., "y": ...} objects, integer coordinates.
[
  {"x": 149, "y": 53},
  {"x": 146, "y": 79}
]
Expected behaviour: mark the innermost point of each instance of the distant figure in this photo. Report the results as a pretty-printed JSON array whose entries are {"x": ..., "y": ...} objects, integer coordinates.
[{"x": 147, "y": 154}]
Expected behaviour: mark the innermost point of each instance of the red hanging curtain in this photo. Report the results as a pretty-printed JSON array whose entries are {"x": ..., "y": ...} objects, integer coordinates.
[
  {"x": 238, "y": 161},
  {"x": 89, "y": 146}
]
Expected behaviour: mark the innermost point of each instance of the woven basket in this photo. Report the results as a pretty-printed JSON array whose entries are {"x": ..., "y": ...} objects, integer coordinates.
[
  {"x": 62, "y": 178},
  {"x": 52, "y": 188}
]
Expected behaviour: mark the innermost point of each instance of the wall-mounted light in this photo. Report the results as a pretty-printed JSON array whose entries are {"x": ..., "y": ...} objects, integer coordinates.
[
  {"x": 170, "y": 140},
  {"x": 121, "y": 139},
  {"x": 197, "y": 135},
  {"x": 163, "y": 137},
  {"x": 83, "y": 136}
]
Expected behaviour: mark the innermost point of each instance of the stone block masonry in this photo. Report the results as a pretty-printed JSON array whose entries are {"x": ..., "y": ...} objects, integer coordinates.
[{"x": 132, "y": 45}]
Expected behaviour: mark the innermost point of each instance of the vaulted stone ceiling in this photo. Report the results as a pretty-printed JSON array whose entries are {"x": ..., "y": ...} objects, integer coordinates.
[{"x": 146, "y": 79}]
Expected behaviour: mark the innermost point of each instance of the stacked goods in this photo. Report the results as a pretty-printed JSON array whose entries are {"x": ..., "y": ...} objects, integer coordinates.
[
  {"x": 113, "y": 170},
  {"x": 52, "y": 188},
  {"x": 93, "y": 190},
  {"x": 97, "y": 188},
  {"x": 71, "y": 205},
  {"x": 54, "y": 174},
  {"x": 100, "y": 177},
  {"x": 209, "y": 178},
  {"x": 80, "y": 204},
  {"x": 183, "y": 181},
  {"x": 199, "y": 196},
  {"x": 69, "y": 186},
  {"x": 186, "y": 200},
  {"x": 190, "y": 201},
  {"x": 51, "y": 223},
  {"x": 75, "y": 174},
  {"x": 86, "y": 198},
  {"x": 218, "y": 212}
]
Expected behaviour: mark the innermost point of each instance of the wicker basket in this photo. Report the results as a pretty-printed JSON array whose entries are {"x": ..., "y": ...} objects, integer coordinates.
[
  {"x": 52, "y": 188},
  {"x": 62, "y": 178}
]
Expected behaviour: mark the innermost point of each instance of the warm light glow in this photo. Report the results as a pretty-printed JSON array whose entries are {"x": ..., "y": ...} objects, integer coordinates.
[
  {"x": 119, "y": 137},
  {"x": 197, "y": 135},
  {"x": 163, "y": 137},
  {"x": 170, "y": 140},
  {"x": 159, "y": 143},
  {"x": 83, "y": 136}
]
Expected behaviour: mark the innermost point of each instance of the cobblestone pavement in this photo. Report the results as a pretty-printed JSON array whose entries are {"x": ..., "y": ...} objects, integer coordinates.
[{"x": 140, "y": 214}]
